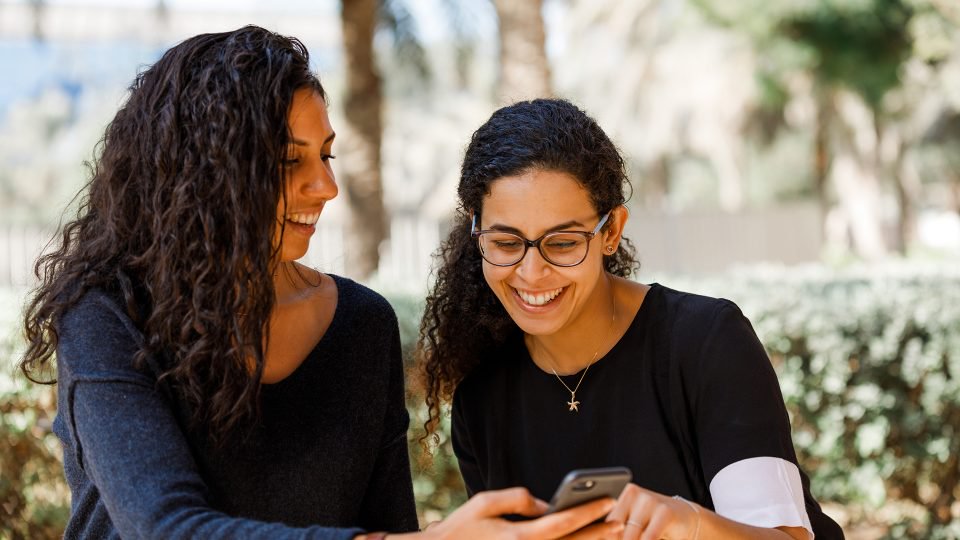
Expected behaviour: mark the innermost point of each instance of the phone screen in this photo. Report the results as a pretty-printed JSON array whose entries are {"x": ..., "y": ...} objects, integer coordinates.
[{"x": 584, "y": 485}]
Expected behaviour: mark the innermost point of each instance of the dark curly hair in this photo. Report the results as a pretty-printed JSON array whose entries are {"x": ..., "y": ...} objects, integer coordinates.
[
  {"x": 179, "y": 218},
  {"x": 463, "y": 321}
]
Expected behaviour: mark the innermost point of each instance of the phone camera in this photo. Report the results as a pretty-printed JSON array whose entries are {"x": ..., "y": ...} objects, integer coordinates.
[{"x": 586, "y": 485}]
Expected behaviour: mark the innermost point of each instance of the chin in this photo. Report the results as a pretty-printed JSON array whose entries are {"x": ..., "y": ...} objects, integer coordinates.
[
  {"x": 292, "y": 255},
  {"x": 535, "y": 326}
]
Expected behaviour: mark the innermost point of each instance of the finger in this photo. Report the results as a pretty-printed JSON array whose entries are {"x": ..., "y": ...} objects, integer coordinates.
[
  {"x": 624, "y": 503},
  {"x": 507, "y": 501},
  {"x": 567, "y": 521},
  {"x": 639, "y": 517},
  {"x": 609, "y": 529},
  {"x": 658, "y": 524},
  {"x": 632, "y": 529}
]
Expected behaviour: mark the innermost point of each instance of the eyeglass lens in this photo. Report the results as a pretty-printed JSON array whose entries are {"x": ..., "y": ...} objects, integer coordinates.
[{"x": 560, "y": 248}]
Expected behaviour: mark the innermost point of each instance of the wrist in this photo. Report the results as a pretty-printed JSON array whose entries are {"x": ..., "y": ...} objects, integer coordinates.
[{"x": 693, "y": 529}]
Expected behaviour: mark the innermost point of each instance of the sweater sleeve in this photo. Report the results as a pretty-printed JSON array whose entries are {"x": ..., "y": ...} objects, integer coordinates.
[
  {"x": 129, "y": 444},
  {"x": 389, "y": 504}
]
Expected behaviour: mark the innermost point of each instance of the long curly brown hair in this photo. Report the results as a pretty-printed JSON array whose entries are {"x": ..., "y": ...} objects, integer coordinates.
[
  {"x": 179, "y": 218},
  {"x": 463, "y": 321}
]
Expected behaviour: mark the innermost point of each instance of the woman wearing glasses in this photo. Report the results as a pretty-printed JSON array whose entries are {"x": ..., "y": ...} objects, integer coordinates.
[
  {"x": 209, "y": 385},
  {"x": 554, "y": 361}
]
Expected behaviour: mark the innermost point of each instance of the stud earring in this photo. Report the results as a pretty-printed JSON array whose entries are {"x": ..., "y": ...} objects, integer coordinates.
[{"x": 609, "y": 249}]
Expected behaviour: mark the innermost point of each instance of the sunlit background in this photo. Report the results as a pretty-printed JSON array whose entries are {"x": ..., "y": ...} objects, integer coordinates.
[{"x": 801, "y": 157}]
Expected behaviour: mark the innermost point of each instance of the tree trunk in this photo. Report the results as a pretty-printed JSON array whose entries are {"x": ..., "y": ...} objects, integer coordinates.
[
  {"x": 955, "y": 192},
  {"x": 821, "y": 144},
  {"x": 855, "y": 176},
  {"x": 906, "y": 183},
  {"x": 360, "y": 142},
  {"x": 524, "y": 71}
]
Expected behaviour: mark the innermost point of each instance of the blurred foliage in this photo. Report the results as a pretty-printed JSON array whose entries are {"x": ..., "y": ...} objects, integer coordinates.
[
  {"x": 436, "y": 479},
  {"x": 858, "y": 44},
  {"x": 868, "y": 361},
  {"x": 34, "y": 498}
]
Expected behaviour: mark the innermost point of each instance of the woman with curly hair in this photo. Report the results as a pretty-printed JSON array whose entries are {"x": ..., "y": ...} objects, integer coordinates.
[
  {"x": 555, "y": 361},
  {"x": 208, "y": 385}
]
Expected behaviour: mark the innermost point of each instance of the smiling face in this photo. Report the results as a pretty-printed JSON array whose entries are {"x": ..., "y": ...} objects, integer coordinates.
[
  {"x": 309, "y": 177},
  {"x": 541, "y": 298}
]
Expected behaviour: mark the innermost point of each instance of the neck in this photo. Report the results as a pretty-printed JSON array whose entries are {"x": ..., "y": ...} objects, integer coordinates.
[
  {"x": 291, "y": 282},
  {"x": 584, "y": 341}
]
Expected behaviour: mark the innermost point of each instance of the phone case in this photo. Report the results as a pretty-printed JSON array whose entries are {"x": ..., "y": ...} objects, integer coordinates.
[{"x": 584, "y": 485}]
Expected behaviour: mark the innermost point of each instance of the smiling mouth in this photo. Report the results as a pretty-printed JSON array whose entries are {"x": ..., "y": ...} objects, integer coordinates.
[
  {"x": 304, "y": 219},
  {"x": 541, "y": 298}
]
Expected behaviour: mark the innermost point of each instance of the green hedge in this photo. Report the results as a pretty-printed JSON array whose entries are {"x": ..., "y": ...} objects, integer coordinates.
[
  {"x": 868, "y": 360},
  {"x": 34, "y": 498}
]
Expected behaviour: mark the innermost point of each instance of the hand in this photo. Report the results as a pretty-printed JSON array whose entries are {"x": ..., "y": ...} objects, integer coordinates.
[
  {"x": 648, "y": 515},
  {"x": 480, "y": 518}
]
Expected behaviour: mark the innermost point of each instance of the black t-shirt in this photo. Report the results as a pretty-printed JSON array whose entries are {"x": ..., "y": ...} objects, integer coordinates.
[{"x": 512, "y": 425}]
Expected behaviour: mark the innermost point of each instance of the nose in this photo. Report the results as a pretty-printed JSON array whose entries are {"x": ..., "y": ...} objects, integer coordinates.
[
  {"x": 532, "y": 266},
  {"x": 320, "y": 183}
]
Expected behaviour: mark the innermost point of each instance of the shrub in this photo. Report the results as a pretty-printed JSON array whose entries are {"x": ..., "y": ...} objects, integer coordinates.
[{"x": 34, "y": 499}]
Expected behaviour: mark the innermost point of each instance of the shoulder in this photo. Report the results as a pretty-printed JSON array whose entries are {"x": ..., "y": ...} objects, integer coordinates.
[
  {"x": 714, "y": 342},
  {"x": 96, "y": 335},
  {"x": 702, "y": 330},
  {"x": 97, "y": 315},
  {"x": 688, "y": 320},
  {"x": 688, "y": 310},
  {"x": 361, "y": 302}
]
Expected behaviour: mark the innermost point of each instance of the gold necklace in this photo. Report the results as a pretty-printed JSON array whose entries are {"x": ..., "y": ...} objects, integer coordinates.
[{"x": 573, "y": 404}]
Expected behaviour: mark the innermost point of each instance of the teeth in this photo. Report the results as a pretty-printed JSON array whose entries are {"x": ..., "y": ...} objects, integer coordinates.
[
  {"x": 306, "y": 219},
  {"x": 539, "y": 299}
]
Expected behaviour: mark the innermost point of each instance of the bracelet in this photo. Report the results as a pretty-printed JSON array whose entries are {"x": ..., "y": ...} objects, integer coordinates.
[{"x": 696, "y": 529}]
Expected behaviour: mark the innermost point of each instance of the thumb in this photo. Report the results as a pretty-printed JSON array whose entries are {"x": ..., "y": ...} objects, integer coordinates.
[{"x": 508, "y": 501}]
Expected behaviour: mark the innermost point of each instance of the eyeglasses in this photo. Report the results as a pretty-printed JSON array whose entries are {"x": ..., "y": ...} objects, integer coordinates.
[{"x": 559, "y": 248}]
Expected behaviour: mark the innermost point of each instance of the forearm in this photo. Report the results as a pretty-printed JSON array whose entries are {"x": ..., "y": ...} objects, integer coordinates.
[
  {"x": 714, "y": 526},
  {"x": 400, "y": 536}
]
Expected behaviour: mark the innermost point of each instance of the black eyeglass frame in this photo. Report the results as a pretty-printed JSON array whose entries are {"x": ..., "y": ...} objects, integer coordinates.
[{"x": 527, "y": 244}]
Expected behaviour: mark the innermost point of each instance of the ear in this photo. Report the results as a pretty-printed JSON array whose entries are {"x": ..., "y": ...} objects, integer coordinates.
[{"x": 614, "y": 230}]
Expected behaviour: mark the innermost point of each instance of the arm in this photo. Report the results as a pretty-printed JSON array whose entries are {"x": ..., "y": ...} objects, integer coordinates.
[
  {"x": 650, "y": 515},
  {"x": 129, "y": 444},
  {"x": 740, "y": 425}
]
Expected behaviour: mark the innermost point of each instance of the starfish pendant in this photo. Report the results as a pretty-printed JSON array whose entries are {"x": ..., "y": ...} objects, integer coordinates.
[{"x": 573, "y": 403}]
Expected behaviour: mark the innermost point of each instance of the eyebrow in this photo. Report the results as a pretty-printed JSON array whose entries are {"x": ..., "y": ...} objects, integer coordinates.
[
  {"x": 301, "y": 142},
  {"x": 561, "y": 227}
]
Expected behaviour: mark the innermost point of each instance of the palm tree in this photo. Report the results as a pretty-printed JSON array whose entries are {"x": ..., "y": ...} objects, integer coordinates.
[
  {"x": 524, "y": 70},
  {"x": 362, "y": 107}
]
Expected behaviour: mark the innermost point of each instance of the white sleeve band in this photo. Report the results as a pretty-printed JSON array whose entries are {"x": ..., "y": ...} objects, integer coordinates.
[{"x": 763, "y": 492}]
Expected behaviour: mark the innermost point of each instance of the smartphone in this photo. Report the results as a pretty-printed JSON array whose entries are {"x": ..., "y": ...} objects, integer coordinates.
[{"x": 584, "y": 485}]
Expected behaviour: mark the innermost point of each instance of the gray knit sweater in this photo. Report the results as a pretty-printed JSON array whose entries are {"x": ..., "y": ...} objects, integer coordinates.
[{"x": 327, "y": 460}]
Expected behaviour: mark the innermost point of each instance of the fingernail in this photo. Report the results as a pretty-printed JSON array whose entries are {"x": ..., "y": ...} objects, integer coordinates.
[
  {"x": 609, "y": 506},
  {"x": 617, "y": 526}
]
